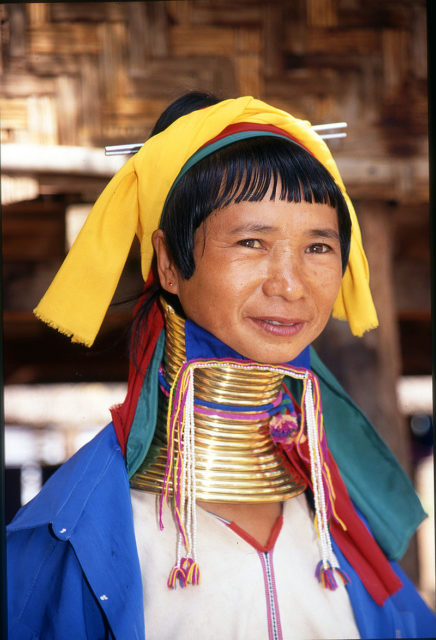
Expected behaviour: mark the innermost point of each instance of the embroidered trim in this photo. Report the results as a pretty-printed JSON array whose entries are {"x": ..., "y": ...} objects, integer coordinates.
[{"x": 273, "y": 611}]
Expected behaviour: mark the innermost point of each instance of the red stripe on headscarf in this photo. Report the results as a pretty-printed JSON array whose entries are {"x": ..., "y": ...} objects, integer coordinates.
[
  {"x": 123, "y": 414},
  {"x": 253, "y": 126}
]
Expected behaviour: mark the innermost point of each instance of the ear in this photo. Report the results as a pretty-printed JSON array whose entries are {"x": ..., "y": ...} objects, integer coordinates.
[{"x": 168, "y": 274}]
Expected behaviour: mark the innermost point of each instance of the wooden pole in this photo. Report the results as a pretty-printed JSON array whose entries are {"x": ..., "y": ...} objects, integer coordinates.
[{"x": 369, "y": 367}]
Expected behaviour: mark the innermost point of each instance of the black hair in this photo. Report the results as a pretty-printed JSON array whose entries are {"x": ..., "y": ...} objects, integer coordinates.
[
  {"x": 189, "y": 102},
  {"x": 241, "y": 171}
]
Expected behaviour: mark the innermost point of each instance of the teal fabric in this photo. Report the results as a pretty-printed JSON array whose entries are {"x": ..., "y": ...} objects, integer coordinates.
[
  {"x": 144, "y": 422},
  {"x": 377, "y": 484}
]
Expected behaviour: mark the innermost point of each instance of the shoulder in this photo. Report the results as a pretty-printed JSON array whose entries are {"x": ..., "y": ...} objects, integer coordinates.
[
  {"x": 68, "y": 490},
  {"x": 51, "y": 539}
]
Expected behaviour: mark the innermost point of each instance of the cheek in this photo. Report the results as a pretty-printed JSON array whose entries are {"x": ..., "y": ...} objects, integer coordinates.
[
  {"x": 325, "y": 287},
  {"x": 232, "y": 279}
]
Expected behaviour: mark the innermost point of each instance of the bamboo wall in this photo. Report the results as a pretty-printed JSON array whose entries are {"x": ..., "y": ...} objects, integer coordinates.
[
  {"x": 91, "y": 74},
  {"x": 95, "y": 73}
]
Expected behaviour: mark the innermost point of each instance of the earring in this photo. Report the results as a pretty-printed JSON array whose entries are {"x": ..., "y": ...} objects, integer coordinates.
[{"x": 170, "y": 283}]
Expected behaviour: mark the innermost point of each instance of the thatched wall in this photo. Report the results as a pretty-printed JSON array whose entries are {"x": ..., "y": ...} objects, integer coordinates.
[{"x": 92, "y": 74}]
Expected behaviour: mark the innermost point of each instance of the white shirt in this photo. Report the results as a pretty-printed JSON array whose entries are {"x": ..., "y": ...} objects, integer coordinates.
[{"x": 245, "y": 593}]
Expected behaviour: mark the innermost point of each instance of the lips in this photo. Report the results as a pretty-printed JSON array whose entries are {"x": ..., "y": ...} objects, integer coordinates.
[
  {"x": 280, "y": 324},
  {"x": 281, "y": 327}
]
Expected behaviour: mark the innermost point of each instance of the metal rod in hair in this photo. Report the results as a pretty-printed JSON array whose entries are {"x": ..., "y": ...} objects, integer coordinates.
[
  {"x": 124, "y": 149},
  {"x": 330, "y": 125}
]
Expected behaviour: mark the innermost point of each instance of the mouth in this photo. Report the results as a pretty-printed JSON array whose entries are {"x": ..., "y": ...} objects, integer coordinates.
[
  {"x": 282, "y": 327},
  {"x": 280, "y": 324}
]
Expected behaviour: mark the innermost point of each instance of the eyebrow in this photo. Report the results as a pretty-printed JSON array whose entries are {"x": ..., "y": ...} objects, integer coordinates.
[
  {"x": 263, "y": 228},
  {"x": 324, "y": 233},
  {"x": 252, "y": 228}
]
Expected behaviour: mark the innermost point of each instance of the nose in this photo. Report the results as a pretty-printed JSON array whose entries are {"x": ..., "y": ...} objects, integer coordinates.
[{"x": 285, "y": 278}]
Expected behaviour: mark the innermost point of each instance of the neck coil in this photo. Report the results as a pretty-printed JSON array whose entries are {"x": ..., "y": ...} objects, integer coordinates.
[{"x": 235, "y": 457}]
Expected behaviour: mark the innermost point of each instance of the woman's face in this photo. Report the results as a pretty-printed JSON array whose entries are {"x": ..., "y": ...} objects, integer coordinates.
[{"x": 266, "y": 276}]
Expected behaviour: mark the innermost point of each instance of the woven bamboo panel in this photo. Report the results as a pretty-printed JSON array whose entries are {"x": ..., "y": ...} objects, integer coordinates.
[
  {"x": 107, "y": 69},
  {"x": 96, "y": 73}
]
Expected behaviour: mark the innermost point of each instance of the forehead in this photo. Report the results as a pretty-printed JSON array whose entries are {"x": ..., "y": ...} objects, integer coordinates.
[{"x": 269, "y": 214}]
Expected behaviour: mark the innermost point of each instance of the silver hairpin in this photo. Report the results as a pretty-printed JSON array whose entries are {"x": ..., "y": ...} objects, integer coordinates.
[
  {"x": 327, "y": 127},
  {"x": 124, "y": 149},
  {"x": 330, "y": 125}
]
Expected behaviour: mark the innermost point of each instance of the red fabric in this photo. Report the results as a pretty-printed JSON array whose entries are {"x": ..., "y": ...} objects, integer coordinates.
[
  {"x": 356, "y": 543},
  {"x": 252, "y": 126},
  {"x": 123, "y": 414}
]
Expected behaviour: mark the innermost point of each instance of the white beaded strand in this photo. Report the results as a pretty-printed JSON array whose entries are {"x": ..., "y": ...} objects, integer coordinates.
[
  {"x": 188, "y": 453},
  {"x": 317, "y": 483},
  {"x": 193, "y": 491}
]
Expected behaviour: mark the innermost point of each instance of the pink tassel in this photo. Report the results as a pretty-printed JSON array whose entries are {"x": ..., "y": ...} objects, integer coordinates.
[
  {"x": 284, "y": 428},
  {"x": 343, "y": 576},
  {"x": 177, "y": 573},
  {"x": 192, "y": 569},
  {"x": 326, "y": 576}
]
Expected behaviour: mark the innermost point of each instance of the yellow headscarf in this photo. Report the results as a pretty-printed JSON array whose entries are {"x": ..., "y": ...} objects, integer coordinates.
[{"x": 79, "y": 296}]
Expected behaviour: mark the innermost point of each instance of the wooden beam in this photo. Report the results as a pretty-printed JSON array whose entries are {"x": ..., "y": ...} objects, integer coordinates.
[{"x": 58, "y": 159}]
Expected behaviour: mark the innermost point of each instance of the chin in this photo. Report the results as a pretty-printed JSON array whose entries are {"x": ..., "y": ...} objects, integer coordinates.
[{"x": 272, "y": 356}]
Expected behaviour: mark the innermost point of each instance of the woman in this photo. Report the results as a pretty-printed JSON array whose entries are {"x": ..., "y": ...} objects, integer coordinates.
[{"x": 216, "y": 475}]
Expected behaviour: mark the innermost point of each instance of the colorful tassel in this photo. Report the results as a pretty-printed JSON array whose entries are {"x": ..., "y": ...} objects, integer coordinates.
[
  {"x": 325, "y": 575},
  {"x": 192, "y": 571},
  {"x": 284, "y": 428},
  {"x": 177, "y": 573}
]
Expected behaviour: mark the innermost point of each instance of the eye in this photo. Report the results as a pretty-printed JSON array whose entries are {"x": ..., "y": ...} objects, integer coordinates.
[
  {"x": 250, "y": 243},
  {"x": 319, "y": 247}
]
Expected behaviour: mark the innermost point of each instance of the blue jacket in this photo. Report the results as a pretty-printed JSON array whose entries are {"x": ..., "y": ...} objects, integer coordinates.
[{"x": 73, "y": 568}]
